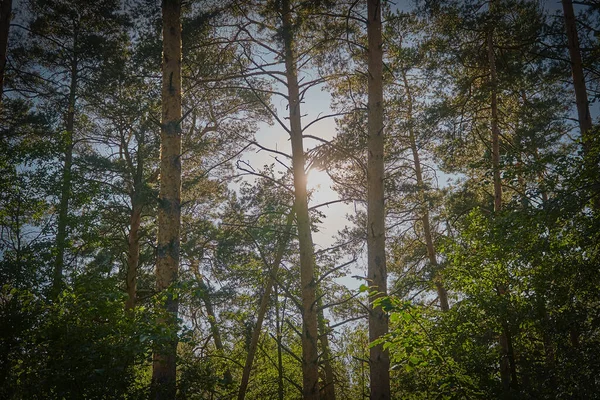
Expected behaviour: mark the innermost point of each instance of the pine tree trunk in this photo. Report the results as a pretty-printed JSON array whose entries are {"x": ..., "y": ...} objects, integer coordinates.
[
  {"x": 583, "y": 109},
  {"x": 508, "y": 371},
  {"x": 431, "y": 254},
  {"x": 169, "y": 208},
  {"x": 377, "y": 272},
  {"x": 63, "y": 213},
  {"x": 310, "y": 360},
  {"x": 264, "y": 303},
  {"x": 135, "y": 220},
  {"x": 5, "y": 15}
]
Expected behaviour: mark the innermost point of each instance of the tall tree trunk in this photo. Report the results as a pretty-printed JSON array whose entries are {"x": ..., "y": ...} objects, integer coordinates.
[
  {"x": 310, "y": 359},
  {"x": 583, "y": 109},
  {"x": 328, "y": 392},
  {"x": 5, "y": 15},
  {"x": 63, "y": 213},
  {"x": 135, "y": 220},
  {"x": 581, "y": 99},
  {"x": 264, "y": 303},
  {"x": 508, "y": 371},
  {"x": 169, "y": 208},
  {"x": 377, "y": 272},
  {"x": 431, "y": 254}
]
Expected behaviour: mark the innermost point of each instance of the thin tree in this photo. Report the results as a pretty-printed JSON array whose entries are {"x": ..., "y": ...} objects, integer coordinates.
[
  {"x": 5, "y": 15},
  {"x": 508, "y": 372},
  {"x": 169, "y": 214},
  {"x": 425, "y": 219},
  {"x": 377, "y": 271},
  {"x": 264, "y": 304},
  {"x": 310, "y": 356}
]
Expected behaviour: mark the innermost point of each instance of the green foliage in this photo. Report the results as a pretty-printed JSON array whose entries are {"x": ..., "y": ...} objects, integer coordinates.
[{"x": 81, "y": 346}]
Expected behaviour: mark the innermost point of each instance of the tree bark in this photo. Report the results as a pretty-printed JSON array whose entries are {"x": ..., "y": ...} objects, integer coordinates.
[
  {"x": 169, "y": 208},
  {"x": 431, "y": 254},
  {"x": 63, "y": 213},
  {"x": 264, "y": 303},
  {"x": 377, "y": 271},
  {"x": 135, "y": 220},
  {"x": 5, "y": 15},
  {"x": 583, "y": 109},
  {"x": 310, "y": 359},
  {"x": 581, "y": 99}
]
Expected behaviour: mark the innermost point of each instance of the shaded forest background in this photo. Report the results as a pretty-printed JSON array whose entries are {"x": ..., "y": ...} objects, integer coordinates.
[{"x": 144, "y": 255}]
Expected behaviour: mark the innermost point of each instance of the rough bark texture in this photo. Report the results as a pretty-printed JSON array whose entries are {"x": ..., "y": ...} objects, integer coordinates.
[
  {"x": 264, "y": 303},
  {"x": 310, "y": 359},
  {"x": 169, "y": 208},
  {"x": 431, "y": 254},
  {"x": 377, "y": 272},
  {"x": 5, "y": 15},
  {"x": 63, "y": 213}
]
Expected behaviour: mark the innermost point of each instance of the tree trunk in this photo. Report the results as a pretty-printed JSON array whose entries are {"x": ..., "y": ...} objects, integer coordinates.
[
  {"x": 581, "y": 99},
  {"x": 377, "y": 271},
  {"x": 169, "y": 208},
  {"x": 431, "y": 254},
  {"x": 135, "y": 220},
  {"x": 264, "y": 303},
  {"x": 63, "y": 213},
  {"x": 278, "y": 326},
  {"x": 508, "y": 372},
  {"x": 5, "y": 15},
  {"x": 310, "y": 359},
  {"x": 583, "y": 109}
]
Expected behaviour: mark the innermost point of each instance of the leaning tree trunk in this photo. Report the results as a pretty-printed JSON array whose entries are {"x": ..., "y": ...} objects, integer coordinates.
[
  {"x": 583, "y": 109},
  {"x": 581, "y": 99},
  {"x": 63, "y": 213},
  {"x": 508, "y": 370},
  {"x": 169, "y": 206},
  {"x": 431, "y": 254},
  {"x": 264, "y": 303},
  {"x": 377, "y": 273},
  {"x": 5, "y": 14},
  {"x": 310, "y": 356}
]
